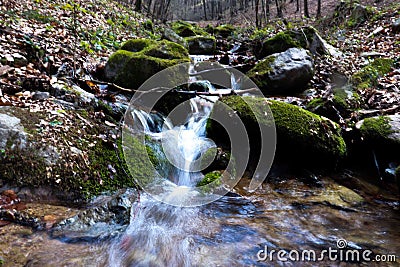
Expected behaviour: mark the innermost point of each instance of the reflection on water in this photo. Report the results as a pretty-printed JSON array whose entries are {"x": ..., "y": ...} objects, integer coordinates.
[{"x": 286, "y": 214}]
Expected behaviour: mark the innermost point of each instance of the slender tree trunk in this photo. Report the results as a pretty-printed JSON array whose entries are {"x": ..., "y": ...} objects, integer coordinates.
[
  {"x": 306, "y": 14},
  {"x": 149, "y": 7},
  {"x": 297, "y": 5},
  {"x": 257, "y": 18},
  {"x": 205, "y": 9},
  {"x": 138, "y": 5},
  {"x": 319, "y": 9},
  {"x": 278, "y": 8}
]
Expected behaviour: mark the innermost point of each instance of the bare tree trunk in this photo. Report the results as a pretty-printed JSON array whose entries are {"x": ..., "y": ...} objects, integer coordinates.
[
  {"x": 257, "y": 18},
  {"x": 267, "y": 11},
  {"x": 138, "y": 5},
  {"x": 319, "y": 9},
  {"x": 306, "y": 13},
  {"x": 278, "y": 8},
  {"x": 149, "y": 7},
  {"x": 205, "y": 9}
]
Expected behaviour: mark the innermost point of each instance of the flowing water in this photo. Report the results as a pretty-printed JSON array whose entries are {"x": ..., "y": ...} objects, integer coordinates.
[
  {"x": 160, "y": 234},
  {"x": 286, "y": 213}
]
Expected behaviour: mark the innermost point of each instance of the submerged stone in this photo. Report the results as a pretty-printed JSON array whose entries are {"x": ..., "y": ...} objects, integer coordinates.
[{"x": 106, "y": 217}]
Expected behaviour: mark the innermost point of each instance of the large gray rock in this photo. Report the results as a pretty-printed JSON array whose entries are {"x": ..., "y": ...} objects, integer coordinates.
[
  {"x": 201, "y": 45},
  {"x": 382, "y": 135},
  {"x": 321, "y": 46},
  {"x": 284, "y": 73},
  {"x": 172, "y": 36},
  {"x": 360, "y": 14},
  {"x": 12, "y": 133},
  {"x": 106, "y": 217},
  {"x": 381, "y": 129}
]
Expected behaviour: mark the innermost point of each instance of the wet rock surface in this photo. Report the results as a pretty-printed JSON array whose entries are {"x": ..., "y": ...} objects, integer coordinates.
[
  {"x": 106, "y": 217},
  {"x": 201, "y": 45},
  {"x": 12, "y": 133},
  {"x": 284, "y": 73}
]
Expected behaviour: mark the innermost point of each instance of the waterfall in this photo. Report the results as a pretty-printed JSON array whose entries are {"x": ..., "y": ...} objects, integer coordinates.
[{"x": 159, "y": 234}]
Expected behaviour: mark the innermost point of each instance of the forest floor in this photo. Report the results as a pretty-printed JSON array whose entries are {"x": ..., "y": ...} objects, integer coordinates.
[{"x": 43, "y": 41}]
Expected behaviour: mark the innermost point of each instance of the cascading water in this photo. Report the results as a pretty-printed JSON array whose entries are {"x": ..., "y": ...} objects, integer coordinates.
[{"x": 160, "y": 234}]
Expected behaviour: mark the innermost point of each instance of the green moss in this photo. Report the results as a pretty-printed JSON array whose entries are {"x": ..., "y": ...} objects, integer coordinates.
[
  {"x": 368, "y": 76},
  {"x": 205, "y": 45},
  {"x": 278, "y": 43},
  {"x": 340, "y": 99},
  {"x": 300, "y": 134},
  {"x": 186, "y": 29},
  {"x": 137, "y": 45},
  {"x": 107, "y": 170},
  {"x": 99, "y": 167},
  {"x": 315, "y": 103},
  {"x": 148, "y": 25},
  {"x": 132, "y": 69},
  {"x": 225, "y": 30},
  {"x": 376, "y": 129},
  {"x": 260, "y": 70},
  {"x": 209, "y": 29},
  {"x": 23, "y": 167},
  {"x": 140, "y": 160},
  {"x": 261, "y": 34},
  {"x": 308, "y": 129},
  {"x": 167, "y": 50},
  {"x": 209, "y": 178}
]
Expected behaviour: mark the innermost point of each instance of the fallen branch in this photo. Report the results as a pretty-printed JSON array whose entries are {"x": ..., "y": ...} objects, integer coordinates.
[
  {"x": 113, "y": 85},
  {"x": 157, "y": 90}
]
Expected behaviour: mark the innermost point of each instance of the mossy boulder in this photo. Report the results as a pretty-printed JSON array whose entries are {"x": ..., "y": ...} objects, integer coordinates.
[
  {"x": 368, "y": 76},
  {"x": 172, "y": 36},
  {"x": 187, "y": 29},
  {"x": 302, "y": 137},
  {"x": 209, "y": 178},
  {"x": 283, "y": 73},
  {"x": 210, "y": 182},
  {"x": 201, "y": 45},
  {"x": 360, "y": 14},
  {"x": 382, "y": 134},
  {"x": 281, "y": 42},
  {"x": 139, "y": 59},
  {"x": 343, "y": 102},
  {"x": 224, "y": 31},
  {"x": 305, "y": 37}
]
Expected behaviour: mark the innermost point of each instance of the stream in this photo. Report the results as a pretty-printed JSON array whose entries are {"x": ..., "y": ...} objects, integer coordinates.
[{"x": 287, "y": 213}]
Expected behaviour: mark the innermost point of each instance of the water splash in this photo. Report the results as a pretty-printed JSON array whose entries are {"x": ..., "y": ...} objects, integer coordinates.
[{"x": 160, "y": 233}]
